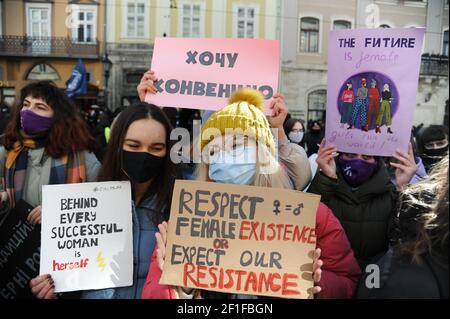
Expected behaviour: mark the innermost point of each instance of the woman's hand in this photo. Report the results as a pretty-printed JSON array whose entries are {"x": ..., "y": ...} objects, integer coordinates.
[
  {"x": 147, "y": 85},
  {"x": 325, "y": 159},
  {"x": 43, "y": 287},
  {"x": 317, "y": 270},
  {"x": 279, "y": 114},
  {"x": 3, "y": 197},
  {"x": 161, "y": 241},
  {"x": 405, "y": 168},
  {"x": 35, "y": 216}
]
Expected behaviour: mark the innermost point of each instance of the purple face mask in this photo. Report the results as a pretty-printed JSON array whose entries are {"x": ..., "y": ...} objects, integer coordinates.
[
  {"x": 33, "y": 123},
  {"x": 357, "y": 171}
]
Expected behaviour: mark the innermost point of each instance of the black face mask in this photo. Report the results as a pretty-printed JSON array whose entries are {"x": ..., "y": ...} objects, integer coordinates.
[
  {"x": 434, "y": 156},
  {"x": 141, "y": 166},
  {"x": 437, "y": 152}
]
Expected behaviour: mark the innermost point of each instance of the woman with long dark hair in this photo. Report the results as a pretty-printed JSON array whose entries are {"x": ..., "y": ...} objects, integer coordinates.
[
  {"x": 139, "y": 152},
  {"x": 46, "y": 142}
]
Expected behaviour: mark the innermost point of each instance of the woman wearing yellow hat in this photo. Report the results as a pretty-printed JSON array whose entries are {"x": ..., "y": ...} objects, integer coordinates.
[{"x": 238, "y": 147}]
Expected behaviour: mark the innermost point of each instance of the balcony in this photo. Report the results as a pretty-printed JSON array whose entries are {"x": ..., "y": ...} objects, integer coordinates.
[
  {"x": 434, "y": 65},
  {"x": 55, "y": 47}
]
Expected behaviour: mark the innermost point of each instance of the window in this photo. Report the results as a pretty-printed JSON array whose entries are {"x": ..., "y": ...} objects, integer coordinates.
[
  {"x": 1, "y": 73},
  {"x": 136, "y": 19},
  {"x": 38, "y": 16},
  {"x": 445, "y": 43},
  {"x": 341, "y": 24},
  {"x": 384, "y": 26},
  {"x": 317, "y": 101},
  {"x": 246, "y": 22},
  {"x": 309, "y": 35},
  {"x": 42, "y": 71},
  {"x": 191, "y": 20},
  {"x": 85, "y": 23},
  {"x": 38, "y": 19}
]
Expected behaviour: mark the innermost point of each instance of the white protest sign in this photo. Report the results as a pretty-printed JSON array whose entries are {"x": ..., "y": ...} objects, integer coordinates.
[{"x": 86, "y": 238}]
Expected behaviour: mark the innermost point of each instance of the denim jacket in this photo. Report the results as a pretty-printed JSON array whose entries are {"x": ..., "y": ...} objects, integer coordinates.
[{"x": 144, "y": 242}]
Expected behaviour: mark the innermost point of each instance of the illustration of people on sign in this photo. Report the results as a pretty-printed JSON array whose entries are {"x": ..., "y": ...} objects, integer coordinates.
[
  {"x": 386, "y": 99},
  {"x": 360, "y": 108},
  {"x": 347, "y": 100},
  {"x": 374, "y": 104},
  {"x": 370, "y": 108}
]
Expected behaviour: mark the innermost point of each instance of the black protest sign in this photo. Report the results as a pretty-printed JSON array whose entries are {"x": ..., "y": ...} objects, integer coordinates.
[{"x": 19, "y": 253}]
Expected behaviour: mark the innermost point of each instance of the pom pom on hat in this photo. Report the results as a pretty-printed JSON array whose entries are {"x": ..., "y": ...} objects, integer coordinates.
[{"x": 250, "y": 96}]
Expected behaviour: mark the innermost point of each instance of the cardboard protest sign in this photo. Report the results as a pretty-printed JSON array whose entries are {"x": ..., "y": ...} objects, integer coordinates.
[
  {"x": 87, "y": 239},
  {"x": 372, "y": 85},
  {"x": 203, "y": 73},
  {"x": 19, "y": 253},
  {"x": 241, "y": 239}
]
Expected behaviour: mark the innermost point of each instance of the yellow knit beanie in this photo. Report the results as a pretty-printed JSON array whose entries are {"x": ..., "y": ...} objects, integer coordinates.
[{"x": 244, "y": 112}]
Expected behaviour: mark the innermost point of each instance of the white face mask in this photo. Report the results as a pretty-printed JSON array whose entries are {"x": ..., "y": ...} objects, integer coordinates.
[{"x": 295, "y": 137}]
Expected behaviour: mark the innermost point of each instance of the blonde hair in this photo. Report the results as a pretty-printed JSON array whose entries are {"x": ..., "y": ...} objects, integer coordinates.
[{"x": 430, "y": 198}]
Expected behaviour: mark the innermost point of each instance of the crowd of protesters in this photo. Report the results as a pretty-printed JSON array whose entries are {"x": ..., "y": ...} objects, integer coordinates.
[{"x": 391, "y": 212}]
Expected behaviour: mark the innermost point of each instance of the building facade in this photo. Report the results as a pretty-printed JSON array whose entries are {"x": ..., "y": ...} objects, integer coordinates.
[
  {"x": 133, "y": 26},
  {"x": 305, "y": 28},
  {"x": 43, "y": 40}
]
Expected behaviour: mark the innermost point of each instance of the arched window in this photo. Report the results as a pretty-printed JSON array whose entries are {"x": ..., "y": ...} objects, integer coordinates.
[
  {"x": 309, "y": 35},
  {"x": 317, "y": 105},
  {"x": 42, "y": 71},
  {"x": 341, "y": 24}
]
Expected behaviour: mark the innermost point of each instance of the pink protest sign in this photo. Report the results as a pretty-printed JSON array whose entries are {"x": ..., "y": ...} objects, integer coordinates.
[
  {"x": 372, "y": 85},
  {"x": 203, "y": 73}
]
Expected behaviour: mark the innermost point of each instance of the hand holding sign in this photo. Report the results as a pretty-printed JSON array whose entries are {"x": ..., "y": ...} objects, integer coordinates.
[
  {"x": 35, "y": 216},
  {"x": 405, "y": 169},
  {"x": 325, "y": 159},
  {"x": 43, "y": 287},
  {"x": 278, "y": 115},
  {"x": 146, "y": 86},
  {"x": 161, "y": 240},
  {"x": 317, "y": 270}
]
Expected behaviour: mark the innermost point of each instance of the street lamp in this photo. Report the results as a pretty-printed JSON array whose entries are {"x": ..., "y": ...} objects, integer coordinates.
[{"x": 107, "y": 64}]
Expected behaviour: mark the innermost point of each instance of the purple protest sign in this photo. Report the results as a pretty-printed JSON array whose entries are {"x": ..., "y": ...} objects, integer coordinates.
[{"x": 373, "y": 76}]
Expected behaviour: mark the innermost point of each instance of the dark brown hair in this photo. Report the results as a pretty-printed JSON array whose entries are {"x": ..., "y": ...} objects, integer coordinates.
[
  {"x": 289, "y": 124},
  {"x": 162, "y": 185},
  {"x": 69, "y": 132}
]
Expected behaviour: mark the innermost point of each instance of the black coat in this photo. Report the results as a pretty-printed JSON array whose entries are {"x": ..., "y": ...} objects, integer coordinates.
[
  {"x": 366, "y": 213},
  {"x": 401, "y": 278}
]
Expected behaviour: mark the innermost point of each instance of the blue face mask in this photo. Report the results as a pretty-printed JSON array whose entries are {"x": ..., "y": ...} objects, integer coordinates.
[{"x": 234, "y": 167}]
